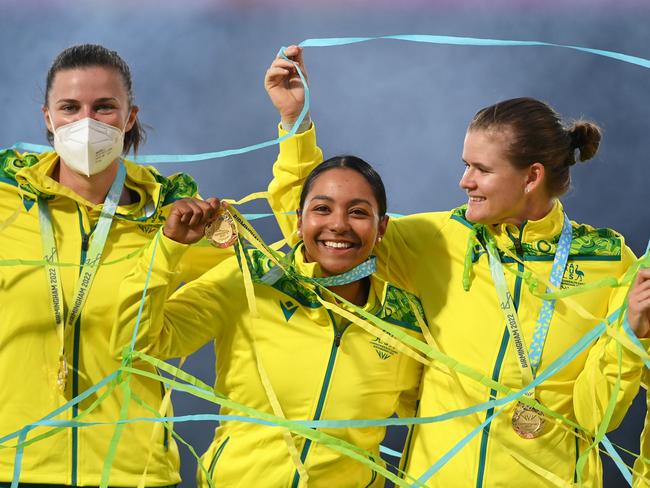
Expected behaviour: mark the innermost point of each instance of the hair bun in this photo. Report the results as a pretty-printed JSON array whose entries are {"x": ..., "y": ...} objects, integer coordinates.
[{"x": 585, "y": 136}]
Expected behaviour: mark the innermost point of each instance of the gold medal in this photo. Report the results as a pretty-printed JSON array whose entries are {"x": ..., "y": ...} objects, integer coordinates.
[
  {"x": 62, "y": 375},
  {"x": 527, "y": 421},
  {"x": 222, "y": 232}
]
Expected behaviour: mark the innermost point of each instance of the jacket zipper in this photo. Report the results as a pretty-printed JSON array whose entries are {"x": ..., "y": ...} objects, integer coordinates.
[
  {"x": 496, "y": 371},
  {"x": 323, "y": 391},
  {"x": 85, "y": 239}
]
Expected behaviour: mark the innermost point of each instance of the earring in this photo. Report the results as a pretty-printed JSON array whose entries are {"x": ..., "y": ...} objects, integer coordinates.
[
  {"x": 379, "y": 239},
  {"x": 527, "y": 190},
  {"x": 298, "y": 232}
]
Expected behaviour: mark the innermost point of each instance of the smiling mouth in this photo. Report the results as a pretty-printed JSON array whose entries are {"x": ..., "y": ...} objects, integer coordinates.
[
  {"x": 337, "y": 245},
  {"x": 476, "y": 199}
]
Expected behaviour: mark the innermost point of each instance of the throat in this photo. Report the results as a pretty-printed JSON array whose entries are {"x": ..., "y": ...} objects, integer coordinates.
[
  {"x": 92, "y": 188},
  {"x": 355, "y": 292}
]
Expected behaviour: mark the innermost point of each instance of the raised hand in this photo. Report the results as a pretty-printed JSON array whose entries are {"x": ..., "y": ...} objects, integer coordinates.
[
  {"x": 638, "y": 301},
  {"x": 284, "y": 86},
  {"x": 188, "y": 217}
]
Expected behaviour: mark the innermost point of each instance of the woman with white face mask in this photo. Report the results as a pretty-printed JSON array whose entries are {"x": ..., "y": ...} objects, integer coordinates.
[
  {"x": 468, "y": 268},
  {"x": 85, "y": 207}
]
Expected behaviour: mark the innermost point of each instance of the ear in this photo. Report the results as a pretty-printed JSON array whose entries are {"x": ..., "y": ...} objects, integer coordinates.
[
  {"x": 132, "y": 117},
  {"x": 381, "y": 229},
  {"x": 535, "y": 177},
  {"x": 46, "y": 116}
]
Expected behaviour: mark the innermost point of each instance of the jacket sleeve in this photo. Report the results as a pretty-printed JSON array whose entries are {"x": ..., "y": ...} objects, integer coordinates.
[
  {"x": 176, "y": 325},
  {"x": 297, "y": 157},
  {"x": 595, "y": 386},
  {"x": 408, "y": 242}
]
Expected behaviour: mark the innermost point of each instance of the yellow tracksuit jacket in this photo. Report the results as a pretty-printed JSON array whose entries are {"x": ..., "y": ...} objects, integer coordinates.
[
  {"x": 29, "y": 344},
  {"x": 425, "y": 254},
  {"x": 641, "y": 467},
  {"x": 320, "y": 367}
]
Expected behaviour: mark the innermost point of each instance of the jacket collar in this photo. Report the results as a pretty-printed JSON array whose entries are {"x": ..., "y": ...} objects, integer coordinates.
[
  {"x": 545, "y": 228},
  {"x": 37, "y": 179},
  {"x": 313, "y": 270}
]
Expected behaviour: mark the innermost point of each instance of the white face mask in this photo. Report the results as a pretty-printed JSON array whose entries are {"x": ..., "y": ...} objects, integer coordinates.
[{"x": 88, "y": 146}]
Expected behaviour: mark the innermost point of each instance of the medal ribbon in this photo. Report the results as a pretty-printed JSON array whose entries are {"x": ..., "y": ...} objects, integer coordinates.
[
  {"x": 363, "y": 270},
  {"x": 529, "y": 362},
  {"x": 88, "y": 271}
]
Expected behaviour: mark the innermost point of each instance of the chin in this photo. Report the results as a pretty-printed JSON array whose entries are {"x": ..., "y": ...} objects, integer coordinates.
[{"x": 473, "y": 216}]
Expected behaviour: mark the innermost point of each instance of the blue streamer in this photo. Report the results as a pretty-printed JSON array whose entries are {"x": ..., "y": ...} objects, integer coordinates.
[
  {"x": 453, "y": 451},
  {"x": 341, "y": 41},
  {"x": 617, "y": 460},
  {"x": 18, "y": 460},
  {"x": 79, "y": 398},
  {"x": 389, "y": 452}
]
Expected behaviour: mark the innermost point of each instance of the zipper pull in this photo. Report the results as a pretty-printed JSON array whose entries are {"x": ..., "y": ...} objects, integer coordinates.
[
  {"x": 518, "y": 247},
  {"x": 337, "y": 339},
  {"x": 84, "y": 242}
]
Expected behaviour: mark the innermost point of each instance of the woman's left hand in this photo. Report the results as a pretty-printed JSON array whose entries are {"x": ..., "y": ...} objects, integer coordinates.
[{"x": 638, "y": 302}]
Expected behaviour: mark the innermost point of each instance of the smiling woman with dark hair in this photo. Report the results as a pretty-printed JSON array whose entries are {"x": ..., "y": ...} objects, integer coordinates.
[{"x": 319, "y": 365}]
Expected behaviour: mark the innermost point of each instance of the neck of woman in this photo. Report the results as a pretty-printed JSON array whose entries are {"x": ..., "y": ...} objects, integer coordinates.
[
  {"x": 534, "y": 210},
  {"x": 93, "y": 188},
  {"x": 355, "y": 292}
]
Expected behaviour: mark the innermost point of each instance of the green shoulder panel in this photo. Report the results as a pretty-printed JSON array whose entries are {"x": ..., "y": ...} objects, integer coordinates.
[
  {"x": 174, "y": 187},
  {"x": 588, "y": 241},
  {"x": 11, "y": 162},
  {"x": 398, "y": 308}
]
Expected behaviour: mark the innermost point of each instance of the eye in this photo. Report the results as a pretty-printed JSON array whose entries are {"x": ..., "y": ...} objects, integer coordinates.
[
  {"x": 359, "y": 212},
  {"x": 320, "y": 209},
  {"x": 68, "y": 108},
  {"x": 104, "y": 107}
]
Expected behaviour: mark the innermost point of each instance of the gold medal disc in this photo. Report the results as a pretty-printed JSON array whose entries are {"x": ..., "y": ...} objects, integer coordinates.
[
  {"x": 527, "y": 421},
  {"x": 222, "y": 232}
]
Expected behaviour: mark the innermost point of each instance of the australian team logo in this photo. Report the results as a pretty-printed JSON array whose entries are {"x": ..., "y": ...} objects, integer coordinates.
[
  {"x": 383, "y": 349},
  {"x": 573, "y": 276}
]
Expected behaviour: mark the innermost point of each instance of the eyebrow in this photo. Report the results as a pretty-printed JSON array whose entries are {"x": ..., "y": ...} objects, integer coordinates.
[
  {"x": 354, "y": 201},
  {"x": 99, "y": 100},
  {"x": 478, "y": 165}
]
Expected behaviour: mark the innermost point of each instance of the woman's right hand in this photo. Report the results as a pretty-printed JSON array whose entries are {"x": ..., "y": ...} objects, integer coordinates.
[
  {"x": 638, "y": 302},
  {"x": 284, "y": 86},
  {"x": 188, "y": 217}
]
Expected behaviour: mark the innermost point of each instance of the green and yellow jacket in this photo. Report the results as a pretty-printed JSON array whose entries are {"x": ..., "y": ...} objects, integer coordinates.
[
  {"x": 29, "y": 345},
  {"x": 429, "y": 255},
  {"x": 319, "y": 365}
]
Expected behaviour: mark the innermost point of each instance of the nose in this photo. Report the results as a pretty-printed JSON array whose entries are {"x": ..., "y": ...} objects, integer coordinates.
[
  {"x": 467, "y": 180},
  {"x": 86, "y": 112},
  {"x": 338, "y": 222}
]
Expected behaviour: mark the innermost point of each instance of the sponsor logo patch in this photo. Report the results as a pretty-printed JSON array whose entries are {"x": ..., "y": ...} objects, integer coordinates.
[{"x": 288, "y": 309}]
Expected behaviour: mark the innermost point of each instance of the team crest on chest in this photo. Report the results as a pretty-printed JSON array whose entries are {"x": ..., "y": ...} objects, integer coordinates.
[
  {"x": 383, "y": 349},
  {"x": 573, "y": 276}
]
